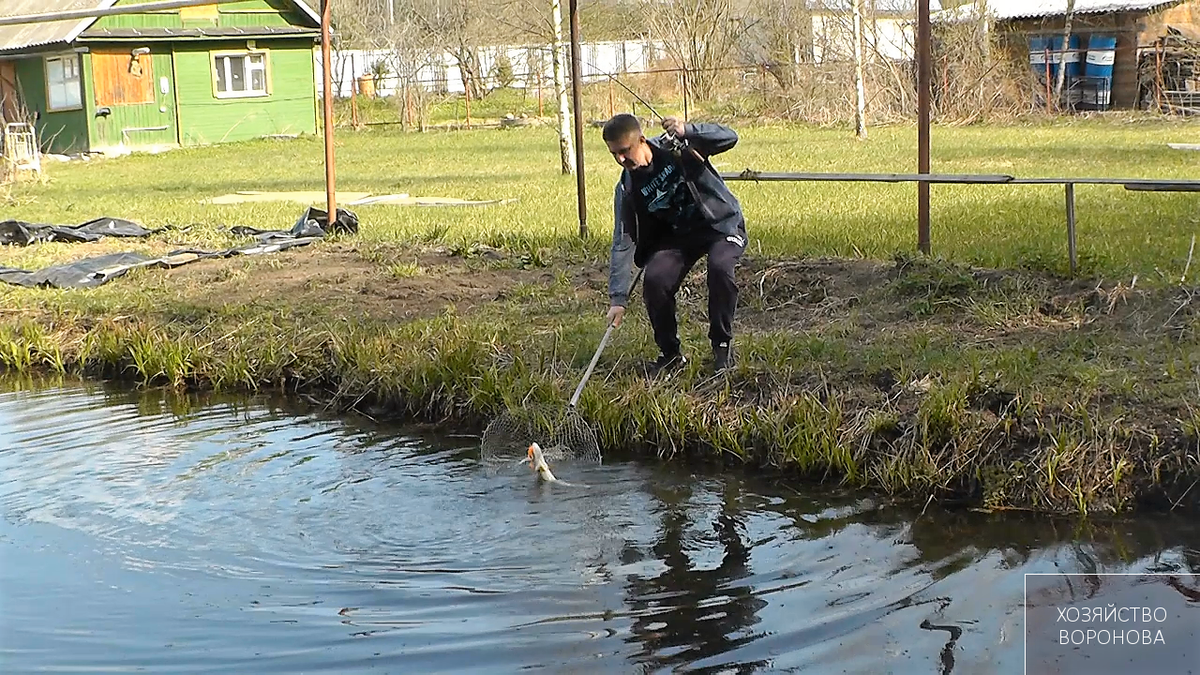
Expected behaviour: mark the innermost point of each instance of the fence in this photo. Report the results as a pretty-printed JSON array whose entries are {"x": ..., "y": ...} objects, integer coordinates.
[{"x": 528, "y": 66}]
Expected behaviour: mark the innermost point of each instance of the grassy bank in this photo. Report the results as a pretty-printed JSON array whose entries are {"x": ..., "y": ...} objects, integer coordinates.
[{"x": 923, "y": 378}]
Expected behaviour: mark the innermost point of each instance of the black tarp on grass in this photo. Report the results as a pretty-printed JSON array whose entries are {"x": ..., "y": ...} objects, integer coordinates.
[{"x": 89, "y": 272}]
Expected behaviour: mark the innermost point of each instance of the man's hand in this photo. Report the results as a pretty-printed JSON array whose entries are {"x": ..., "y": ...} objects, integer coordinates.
[
  {"x": 615, "y": 314},
  {"x": 674, "y": 126}
]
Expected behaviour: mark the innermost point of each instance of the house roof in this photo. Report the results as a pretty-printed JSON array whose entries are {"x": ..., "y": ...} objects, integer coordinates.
[
  {"x": 1006, "y": 10},
  {"x": 13, "y": 38}
]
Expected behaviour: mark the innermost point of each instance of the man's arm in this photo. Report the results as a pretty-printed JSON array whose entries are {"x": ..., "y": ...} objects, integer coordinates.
[
  {"x": 709, "y": 138},
  {"x": 620, "y": 266}
]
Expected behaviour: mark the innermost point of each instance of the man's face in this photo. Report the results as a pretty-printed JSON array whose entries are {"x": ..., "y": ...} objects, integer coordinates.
[{"x": 632, "y": 151}]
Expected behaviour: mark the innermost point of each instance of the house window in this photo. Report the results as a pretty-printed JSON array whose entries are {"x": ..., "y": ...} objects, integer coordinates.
[
  {"x": 240, "y": 75},
  {"x": 62, "y": 83}
]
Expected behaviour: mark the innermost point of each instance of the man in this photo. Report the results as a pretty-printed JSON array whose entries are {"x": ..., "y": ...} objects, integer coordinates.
[{"x": 671, "y": 208}]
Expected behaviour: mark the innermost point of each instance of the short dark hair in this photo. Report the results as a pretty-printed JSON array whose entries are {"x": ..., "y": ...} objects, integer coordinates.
[{"x": 621, "y": 126}]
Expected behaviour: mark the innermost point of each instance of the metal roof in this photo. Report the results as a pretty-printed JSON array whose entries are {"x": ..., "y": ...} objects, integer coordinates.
[
  {"x": 51, "y": 32},
  {"x": 1006, "y": 10},
  {"x": 14, "y": 38}
]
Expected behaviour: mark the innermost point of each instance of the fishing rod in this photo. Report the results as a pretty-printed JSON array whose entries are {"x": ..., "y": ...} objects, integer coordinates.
[{"x": 677, "y": 145}]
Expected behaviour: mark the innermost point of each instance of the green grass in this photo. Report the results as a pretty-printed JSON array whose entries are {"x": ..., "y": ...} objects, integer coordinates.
[{"x": 1120, "y": 233}]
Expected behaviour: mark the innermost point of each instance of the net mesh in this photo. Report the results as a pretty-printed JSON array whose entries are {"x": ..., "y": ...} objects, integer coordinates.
[{"x": 562, "y": 433}]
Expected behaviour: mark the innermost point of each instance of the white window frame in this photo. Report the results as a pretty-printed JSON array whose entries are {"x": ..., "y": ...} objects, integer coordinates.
[
  {"x": 221, "y": 59},
  {"x": 75, "y": 62}
]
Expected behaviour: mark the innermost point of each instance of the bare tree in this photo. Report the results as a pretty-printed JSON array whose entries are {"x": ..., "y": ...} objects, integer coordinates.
[
  {"x": 459, "y": 27},
  {"x": 542, "y": 20},
  {"x": 780, "y": 40},
  {"x": 699, "y": 35}
]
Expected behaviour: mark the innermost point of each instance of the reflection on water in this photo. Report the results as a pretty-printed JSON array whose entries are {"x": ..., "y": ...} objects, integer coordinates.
[{"x": 204, "y": 534}]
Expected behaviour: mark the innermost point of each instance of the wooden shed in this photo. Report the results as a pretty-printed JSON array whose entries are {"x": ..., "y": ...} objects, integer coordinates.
[
  {"x": 160, "y": 79},
  {"x": 1102, "y": 54}
]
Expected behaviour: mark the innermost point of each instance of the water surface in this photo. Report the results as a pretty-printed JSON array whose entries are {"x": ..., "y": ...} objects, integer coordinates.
[{"x": 166, "y": 534}]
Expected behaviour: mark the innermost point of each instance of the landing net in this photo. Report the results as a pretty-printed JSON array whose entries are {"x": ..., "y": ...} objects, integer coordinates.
[{"x": 561, "y": 432}]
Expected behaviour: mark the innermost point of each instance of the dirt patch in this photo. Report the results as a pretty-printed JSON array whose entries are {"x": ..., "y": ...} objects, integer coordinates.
[
  {"x": 867, "y": 297},
  {"x": 339, "y": 277}
]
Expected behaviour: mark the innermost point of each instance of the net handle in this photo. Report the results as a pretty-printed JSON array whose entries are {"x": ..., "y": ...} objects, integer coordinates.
[{"x": 596, "y": 357}]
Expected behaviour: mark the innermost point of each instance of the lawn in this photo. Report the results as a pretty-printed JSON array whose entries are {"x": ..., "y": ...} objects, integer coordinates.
[{"x": 1120, "y": 233}]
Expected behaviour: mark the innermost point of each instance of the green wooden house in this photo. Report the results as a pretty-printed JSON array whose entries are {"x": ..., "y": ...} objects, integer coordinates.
[{"x": 160, "y": 79}]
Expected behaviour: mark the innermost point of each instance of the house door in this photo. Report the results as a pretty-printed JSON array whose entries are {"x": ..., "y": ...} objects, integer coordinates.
[
  {"x": 10, "y": 102},
  {"x": 135, "y": 100}
]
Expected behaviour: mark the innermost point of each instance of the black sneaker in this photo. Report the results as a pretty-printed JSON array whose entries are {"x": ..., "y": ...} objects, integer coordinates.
[
  {"x": 722, "y": 357},
  {"x": 665, "y": 362}
]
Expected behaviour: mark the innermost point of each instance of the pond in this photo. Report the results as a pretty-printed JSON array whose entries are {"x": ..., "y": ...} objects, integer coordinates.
[{"x": 147, "y": 531}]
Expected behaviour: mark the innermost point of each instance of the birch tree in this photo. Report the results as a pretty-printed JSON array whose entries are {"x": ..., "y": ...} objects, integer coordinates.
[
  {"x": 1062, "y": 63},
  {"x": 860, "y": 107},
  {"x": 542, "y": 20}
]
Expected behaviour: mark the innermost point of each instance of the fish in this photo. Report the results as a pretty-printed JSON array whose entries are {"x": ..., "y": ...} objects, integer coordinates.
[{"x": 537, "y": 461}]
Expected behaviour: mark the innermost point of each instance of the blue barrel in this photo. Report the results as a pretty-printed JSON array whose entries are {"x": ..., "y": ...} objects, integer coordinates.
[
  {"x": 1037, "y": 56},
  {"x": 1098, "y": 66}
]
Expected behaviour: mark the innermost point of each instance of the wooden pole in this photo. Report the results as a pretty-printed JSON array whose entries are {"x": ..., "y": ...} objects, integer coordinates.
[
  {"x": 924, "y": 68},
  {"x": 577, "y": 94},
  {"x": 330, "y": 193}
]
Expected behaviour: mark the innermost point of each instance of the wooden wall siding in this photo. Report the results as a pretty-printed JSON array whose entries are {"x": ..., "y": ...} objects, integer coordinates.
[
  {"x": 146, "y": 120},
  {"x": 289, "y": 109},
  {"x": 119, "y": 79},
  {"x": 239, "y": 14},
  {"x": 199, "y": 13},
  {"x": 60, "y": 132},
  {"x": 1154, "y": 26},
  {"x": 1125, "y": 66}
]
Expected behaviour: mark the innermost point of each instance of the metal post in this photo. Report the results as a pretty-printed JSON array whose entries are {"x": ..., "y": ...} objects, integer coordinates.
[
  {"x": 924, "y": 72},
  {"x": 1070, "y": 189},
  {"x": 577, "y": 94},
  {"x": 327, "y": 78}
]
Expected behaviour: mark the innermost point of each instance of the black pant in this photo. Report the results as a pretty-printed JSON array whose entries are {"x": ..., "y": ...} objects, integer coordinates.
[{"x": 664, "y": 274}]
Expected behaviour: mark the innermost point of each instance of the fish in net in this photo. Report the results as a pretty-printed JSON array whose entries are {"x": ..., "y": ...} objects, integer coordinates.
[{"x": 563, "y": 434}]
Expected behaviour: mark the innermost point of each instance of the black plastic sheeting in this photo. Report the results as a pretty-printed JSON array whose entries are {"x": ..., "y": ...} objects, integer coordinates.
[
  {"x": 313, "y": 225},
  {"x": 23, "y": 234}
]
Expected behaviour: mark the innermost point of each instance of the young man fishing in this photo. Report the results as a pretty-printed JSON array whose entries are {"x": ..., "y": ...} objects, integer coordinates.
[{"x": 671, "y": 208}]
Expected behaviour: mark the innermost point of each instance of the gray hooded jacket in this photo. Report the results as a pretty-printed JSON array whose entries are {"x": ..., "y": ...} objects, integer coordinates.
[{"x": 632, "y": 244}]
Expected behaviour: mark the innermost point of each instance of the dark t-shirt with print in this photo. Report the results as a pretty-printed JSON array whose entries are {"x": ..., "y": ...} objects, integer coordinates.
[{"x": 663, "y": 197}]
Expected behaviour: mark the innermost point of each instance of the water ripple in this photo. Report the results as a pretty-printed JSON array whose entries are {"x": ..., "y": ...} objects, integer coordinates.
[{"x": 140, "y": 531}]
